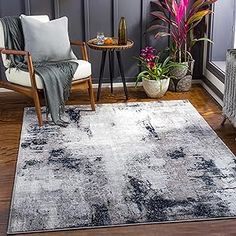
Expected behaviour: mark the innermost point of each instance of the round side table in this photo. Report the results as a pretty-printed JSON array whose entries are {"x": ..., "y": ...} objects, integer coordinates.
[{"x": 92, "y": 43}]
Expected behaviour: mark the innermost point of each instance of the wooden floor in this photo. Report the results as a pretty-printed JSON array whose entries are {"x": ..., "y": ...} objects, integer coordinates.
[{"x": 11, "y": 111}]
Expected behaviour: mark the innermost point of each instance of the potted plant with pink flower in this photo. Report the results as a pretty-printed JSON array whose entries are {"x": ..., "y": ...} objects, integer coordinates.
[
  {"x": 177, "y": 20},
  {"x": 155, "y": 75}
]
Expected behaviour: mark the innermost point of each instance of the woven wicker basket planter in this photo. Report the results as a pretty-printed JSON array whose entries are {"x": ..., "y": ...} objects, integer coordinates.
[{"x": 183, "y": 83}]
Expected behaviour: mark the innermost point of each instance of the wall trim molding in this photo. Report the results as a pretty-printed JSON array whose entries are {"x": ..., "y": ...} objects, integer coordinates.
[
  {"x": 86, "y": 20},
  {"x": 115, "y": 16},
  {"x": 56, "y": 6},
  {"x": 144, "y": 16},
  {"x": 27, "y": 7}
]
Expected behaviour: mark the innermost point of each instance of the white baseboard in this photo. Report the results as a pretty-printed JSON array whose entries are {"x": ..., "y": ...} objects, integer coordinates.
[
  {"x": 115, "y": 85},
  {"x": 132, "y": 84}
]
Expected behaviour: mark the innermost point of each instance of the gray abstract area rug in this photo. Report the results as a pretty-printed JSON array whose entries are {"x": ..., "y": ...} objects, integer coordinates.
[{"x": 123, "y": 164}]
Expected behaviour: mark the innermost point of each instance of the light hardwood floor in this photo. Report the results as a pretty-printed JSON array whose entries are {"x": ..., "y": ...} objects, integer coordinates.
[{"x": 11, "y": 112}]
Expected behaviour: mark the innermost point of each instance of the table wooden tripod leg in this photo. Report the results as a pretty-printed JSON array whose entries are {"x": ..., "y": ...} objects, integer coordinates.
[
  {"x": 111, "y": 68},
  {"x": 122, "y": 73},
  {"x": 104, "y": 53}
]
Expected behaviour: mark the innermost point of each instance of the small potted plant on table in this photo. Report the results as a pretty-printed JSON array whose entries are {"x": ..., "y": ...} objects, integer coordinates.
[
  {"x": 177, "y": 20},
  {"x": 155, "y": 75}
]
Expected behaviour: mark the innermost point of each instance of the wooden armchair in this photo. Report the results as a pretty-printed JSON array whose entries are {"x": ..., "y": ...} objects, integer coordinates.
[{"x": 30, "y": 84}]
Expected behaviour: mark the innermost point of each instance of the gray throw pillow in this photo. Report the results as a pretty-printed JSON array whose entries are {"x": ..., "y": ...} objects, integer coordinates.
[{"x": 47, "y": 41}]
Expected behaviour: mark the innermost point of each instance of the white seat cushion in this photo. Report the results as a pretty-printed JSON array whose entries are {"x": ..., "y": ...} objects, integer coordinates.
[{"x": 20, "y": 77}]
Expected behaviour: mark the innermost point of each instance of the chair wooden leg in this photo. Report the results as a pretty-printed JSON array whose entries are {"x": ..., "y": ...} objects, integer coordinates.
[
  {"x": 38, "y": 108},
  {"x": 91, "y": 94},
  {"x": 34, "y": 89}
]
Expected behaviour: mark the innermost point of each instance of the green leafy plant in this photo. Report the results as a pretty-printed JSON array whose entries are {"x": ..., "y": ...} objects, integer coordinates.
[
  {"x": 152, "y": 67},
  {"x": 177, "y": 20}
]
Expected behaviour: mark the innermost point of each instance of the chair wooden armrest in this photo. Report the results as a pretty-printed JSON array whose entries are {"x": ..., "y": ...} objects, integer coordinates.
[
  {"x": 13, "y": 52},
  {"x": 83, "y": 48},
  {"x": 29, "y": 62}
]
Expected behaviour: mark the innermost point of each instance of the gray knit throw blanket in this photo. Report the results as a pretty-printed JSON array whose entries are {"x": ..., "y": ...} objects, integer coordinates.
[{"x": 56, "y": 76}]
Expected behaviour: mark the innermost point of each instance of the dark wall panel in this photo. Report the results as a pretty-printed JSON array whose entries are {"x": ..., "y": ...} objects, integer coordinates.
[
  {"x": 159, "y": 44},
  {"x": 133, "y": 16},
  {"x": 41, "y": 8},
  {"x": 87, "y": 17},
  {"x": 12, "y": 7},
  {"x": 73, "y": 9},
  {"x": 98, "y": 18}
]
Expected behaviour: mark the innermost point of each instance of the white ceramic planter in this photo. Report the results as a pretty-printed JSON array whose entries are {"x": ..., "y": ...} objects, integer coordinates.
[{"x": 156, "y": 88}]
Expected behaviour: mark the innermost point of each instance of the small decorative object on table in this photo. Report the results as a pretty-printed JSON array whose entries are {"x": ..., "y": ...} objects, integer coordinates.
[
  {"x": 122, "y": 32},
  {"x": 109, "y": 41},
  {"x": 111, "y": 45},
  {"x": 100, "y": 38},
  {"x": 183, "y": 17},
  {"x": 156, "y": 74}
]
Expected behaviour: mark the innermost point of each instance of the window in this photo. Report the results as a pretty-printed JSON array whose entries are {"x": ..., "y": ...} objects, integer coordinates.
[{"x": 222, "y": 32}]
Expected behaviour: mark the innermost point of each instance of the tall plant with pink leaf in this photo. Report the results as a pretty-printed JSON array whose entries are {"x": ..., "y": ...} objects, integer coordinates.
[{"x": 177, "y": 20}]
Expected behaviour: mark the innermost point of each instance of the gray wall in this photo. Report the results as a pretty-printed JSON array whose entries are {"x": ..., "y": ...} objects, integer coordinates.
[{"x": 87, "y": 17}]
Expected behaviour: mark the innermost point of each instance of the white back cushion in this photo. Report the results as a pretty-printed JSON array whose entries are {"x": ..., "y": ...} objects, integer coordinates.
[
  {"x": 47, "y": 41},
  {"x": 42, "y": 18}
]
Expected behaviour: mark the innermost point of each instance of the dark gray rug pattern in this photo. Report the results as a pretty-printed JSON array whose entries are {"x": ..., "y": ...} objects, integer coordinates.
[{"x": 123, "y": 164}]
